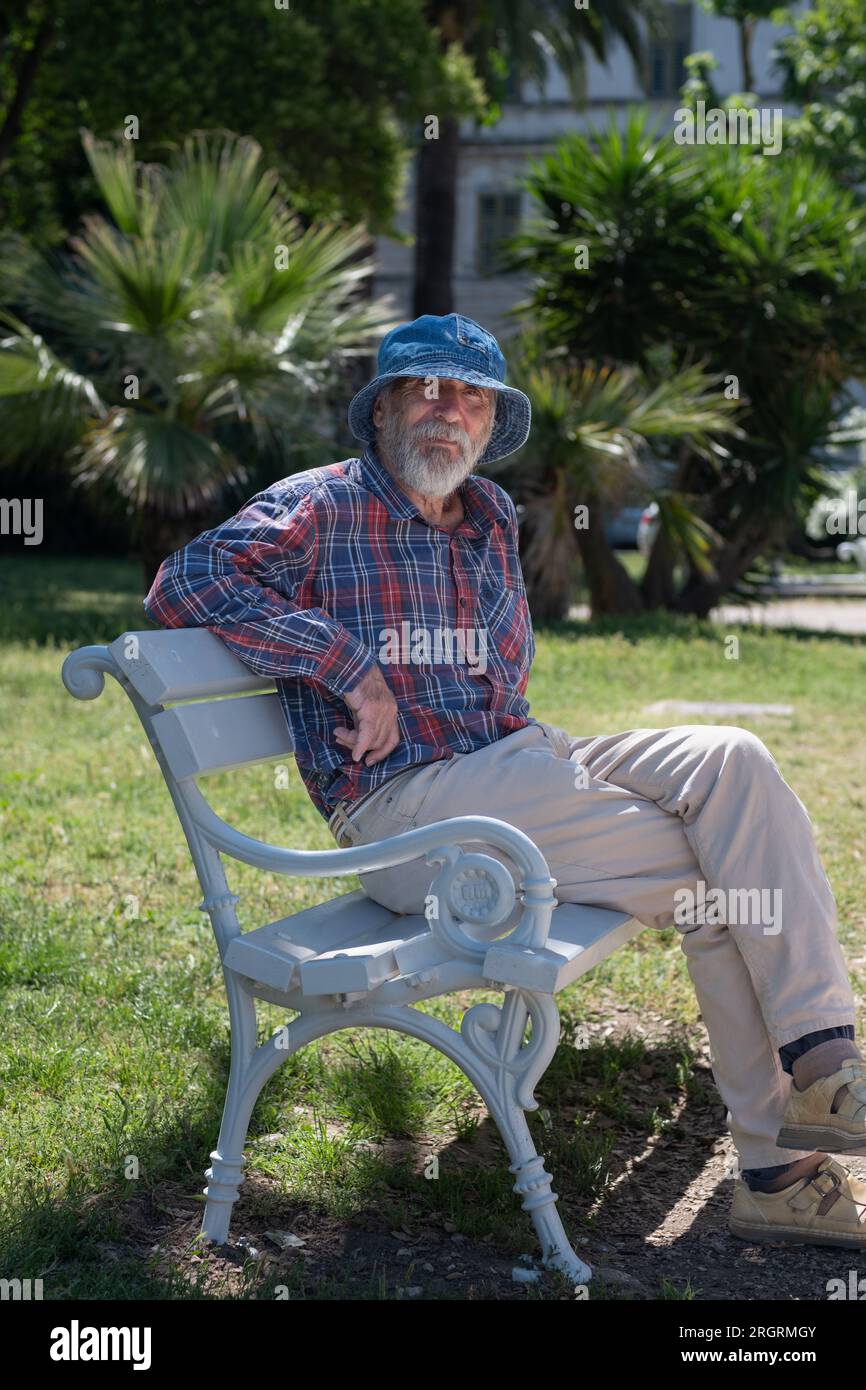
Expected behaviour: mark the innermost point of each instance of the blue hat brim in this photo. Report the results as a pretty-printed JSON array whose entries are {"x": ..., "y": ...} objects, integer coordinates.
[{"x": 513, "y": 408}]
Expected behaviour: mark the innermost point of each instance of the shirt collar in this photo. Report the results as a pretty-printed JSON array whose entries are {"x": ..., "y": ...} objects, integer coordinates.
[{"x": 480, "y": 500}]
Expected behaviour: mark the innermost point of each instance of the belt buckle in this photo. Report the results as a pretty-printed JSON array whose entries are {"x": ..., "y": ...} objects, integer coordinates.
[{"x": 341, "y": 826}]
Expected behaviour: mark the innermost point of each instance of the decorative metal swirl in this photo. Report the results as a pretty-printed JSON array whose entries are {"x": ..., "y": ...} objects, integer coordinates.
[
  {"x": 82, "y": 671},
  {"x": 470, "y": 899}
]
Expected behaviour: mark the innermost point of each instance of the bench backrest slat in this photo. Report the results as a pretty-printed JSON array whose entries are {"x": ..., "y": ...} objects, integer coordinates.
[
  {"x": 182, "y": 664},
  {"x": 217, "y": 735}
]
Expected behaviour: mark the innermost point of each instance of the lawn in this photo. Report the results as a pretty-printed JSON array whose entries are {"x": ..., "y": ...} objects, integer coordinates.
[{"x": 116, "y": 1044}]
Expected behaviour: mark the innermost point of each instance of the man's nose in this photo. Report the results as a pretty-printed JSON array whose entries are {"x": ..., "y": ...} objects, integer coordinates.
[{"x": 447, "y": 406}]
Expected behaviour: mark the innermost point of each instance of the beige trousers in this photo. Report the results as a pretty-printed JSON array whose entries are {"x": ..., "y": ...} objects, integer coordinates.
[{"x": 650, "y": 822}]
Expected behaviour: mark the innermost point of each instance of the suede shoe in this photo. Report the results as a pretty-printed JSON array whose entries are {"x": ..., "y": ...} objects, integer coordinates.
[
  {"x": 827, "y": 1209},
  {"x": 809, "y": 1123}
]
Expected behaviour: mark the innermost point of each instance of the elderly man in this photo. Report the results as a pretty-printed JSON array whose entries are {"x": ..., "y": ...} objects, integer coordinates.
[{"x": 388, "y": 588}]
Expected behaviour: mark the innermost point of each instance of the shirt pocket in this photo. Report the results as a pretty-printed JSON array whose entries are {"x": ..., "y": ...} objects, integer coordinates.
[{"x": 504, "y": 612}]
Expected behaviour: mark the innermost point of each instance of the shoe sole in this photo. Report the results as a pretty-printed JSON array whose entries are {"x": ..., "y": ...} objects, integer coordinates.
[
  {"x": 821, "y": 1137},
  {"x": 793, "y": 1235}
]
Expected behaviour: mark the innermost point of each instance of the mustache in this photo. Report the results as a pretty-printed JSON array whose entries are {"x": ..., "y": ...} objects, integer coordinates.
[{"x": 439, "y": 429}]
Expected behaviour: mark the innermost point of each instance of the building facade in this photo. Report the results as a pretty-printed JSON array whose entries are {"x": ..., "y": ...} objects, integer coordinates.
[{"x": 494, "y": 160}]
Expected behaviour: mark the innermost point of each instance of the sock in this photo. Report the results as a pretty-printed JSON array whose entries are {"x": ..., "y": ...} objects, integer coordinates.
[
  {"x": 784, "y": 1174},
  {"x": 792, "y": 1050},
  {"x": 808, "y": 1058},
  {"x": 823, "y": 1060}
]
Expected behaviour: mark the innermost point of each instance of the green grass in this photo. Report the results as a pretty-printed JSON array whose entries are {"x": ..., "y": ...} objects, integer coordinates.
[{"x": 116, "y": 1042}]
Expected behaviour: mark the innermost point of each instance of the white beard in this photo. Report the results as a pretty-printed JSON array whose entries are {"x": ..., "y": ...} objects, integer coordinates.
[{"x": 432, "y": 472}]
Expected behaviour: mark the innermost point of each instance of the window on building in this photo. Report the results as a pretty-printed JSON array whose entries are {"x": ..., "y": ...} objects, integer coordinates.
[
  {"x": 498, "y": 217},
  {"x": 666, "y": 54}
]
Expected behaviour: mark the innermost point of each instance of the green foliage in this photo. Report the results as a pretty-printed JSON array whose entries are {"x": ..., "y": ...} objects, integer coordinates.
[
  {"x": 592, "y": 421},
  {"x": 205, "y": 304},
  {"x": 699, "y": 85},
  {"x": 331, "y": 91},
  {"x": 648, "y": 252},
  {"x": 823, "y": 65},
  {"x": 521, "y": 36},
  {"x": 740, "y": 10},
  {"x": 634, "y": 202},
  {"x": 687, "y": 243}
]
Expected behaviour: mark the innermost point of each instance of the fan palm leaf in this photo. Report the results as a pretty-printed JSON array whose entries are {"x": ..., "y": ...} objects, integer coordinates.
[{"x": 203, "y": 304}]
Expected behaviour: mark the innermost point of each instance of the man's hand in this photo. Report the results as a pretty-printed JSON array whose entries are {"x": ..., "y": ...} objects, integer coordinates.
[{"x": 375, "y": 711}]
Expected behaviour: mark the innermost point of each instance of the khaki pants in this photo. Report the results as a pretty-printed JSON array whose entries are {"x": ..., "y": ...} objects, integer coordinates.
[{"x": 628, "y": 821}]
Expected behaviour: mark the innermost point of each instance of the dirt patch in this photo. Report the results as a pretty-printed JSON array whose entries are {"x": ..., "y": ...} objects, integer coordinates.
[
  {"x": 664, "y": 1215},
  {"x": 357, "y": 1259}
]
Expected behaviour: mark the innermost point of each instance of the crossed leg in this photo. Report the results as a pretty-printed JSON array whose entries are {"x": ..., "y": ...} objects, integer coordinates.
[{"x": 629, "y": 821}]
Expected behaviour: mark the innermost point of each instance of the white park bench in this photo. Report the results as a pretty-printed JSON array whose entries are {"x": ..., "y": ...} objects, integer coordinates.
[{"x": 349, "y": 962}]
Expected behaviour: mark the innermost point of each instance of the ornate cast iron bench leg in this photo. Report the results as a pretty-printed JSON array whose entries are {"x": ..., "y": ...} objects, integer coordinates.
[{"x": 489, "y": 1049}]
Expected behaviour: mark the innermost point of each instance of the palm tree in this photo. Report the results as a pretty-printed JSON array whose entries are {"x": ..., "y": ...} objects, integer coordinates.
[
  {"x": 587, "y": 453},
  {"x": 201, "y": 321},
  {"x": 502, "y": 37},
  {"x": 754, "y": 266}
]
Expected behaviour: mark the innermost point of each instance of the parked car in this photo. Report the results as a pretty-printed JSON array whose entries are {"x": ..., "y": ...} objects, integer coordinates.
[
  {"x": 633, "y": 528},
  {"x": 647, "y": 528},
  {"x": 621, "y": 528}
]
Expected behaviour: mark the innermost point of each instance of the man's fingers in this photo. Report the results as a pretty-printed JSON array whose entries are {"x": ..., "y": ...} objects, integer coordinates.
[
  {"x": 361, "y": 747},
  {"x": 376, "y": 736},
  {"x": 373, "y": 737},
  {"x": 367, "y": 738},
  {"x": 381, "y": 748},
  {"x": 377, "y": 754}
]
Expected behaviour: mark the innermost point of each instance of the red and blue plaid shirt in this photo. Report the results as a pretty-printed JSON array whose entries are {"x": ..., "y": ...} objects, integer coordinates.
[{"x": 327, "y": 572}]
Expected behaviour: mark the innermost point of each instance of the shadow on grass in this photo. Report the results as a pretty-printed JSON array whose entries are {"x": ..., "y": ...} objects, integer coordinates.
[
  {"x": 99, "y": 1236},
  {"x": 73, "y": 602},
  {"x": 646, "y": 627},
  {"x": 69, "y": 602}
]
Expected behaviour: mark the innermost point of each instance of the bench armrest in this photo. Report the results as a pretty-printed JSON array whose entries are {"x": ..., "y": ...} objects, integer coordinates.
[
  {"x": 471, "y": 890},
  {"x": 471, "y": 899}
]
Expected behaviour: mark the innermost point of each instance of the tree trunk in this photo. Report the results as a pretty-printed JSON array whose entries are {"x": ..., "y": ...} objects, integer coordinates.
[
  {"x": 657, "y": 587},
  {"x": 700, "y": 594},
  {"x": 548, "y": 553},
  {"x": 354, "y": 371},
  {"x": 747, "y": 28},
  {"x": 24, "y": 80},
  {"x": 435, "y": 219},
  {"x": 610, "y": 588}
]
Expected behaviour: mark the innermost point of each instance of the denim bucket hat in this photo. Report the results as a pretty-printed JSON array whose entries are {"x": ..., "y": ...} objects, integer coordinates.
[{"x": 451, "y": 346}]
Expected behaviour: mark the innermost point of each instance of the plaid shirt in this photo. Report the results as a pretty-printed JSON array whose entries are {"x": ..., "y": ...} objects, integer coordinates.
[{"x": 326, "y": 572}]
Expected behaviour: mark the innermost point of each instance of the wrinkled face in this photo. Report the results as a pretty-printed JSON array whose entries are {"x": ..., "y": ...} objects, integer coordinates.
[{"x": 433, "y": 444}]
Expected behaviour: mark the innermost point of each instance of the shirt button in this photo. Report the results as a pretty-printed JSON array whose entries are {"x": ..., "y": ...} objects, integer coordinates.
[{"x": 463, "y": 603}]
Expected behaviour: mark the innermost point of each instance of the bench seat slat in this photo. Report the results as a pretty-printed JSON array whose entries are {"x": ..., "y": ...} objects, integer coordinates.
[
  {"x": 271, "y": 954},
  {"x": 353, "y": 944},
  {"x": 580, "y": 937}
]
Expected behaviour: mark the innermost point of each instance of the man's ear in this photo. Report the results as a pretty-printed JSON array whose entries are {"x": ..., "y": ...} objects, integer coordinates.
[{"x": 378, "y": 408}]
